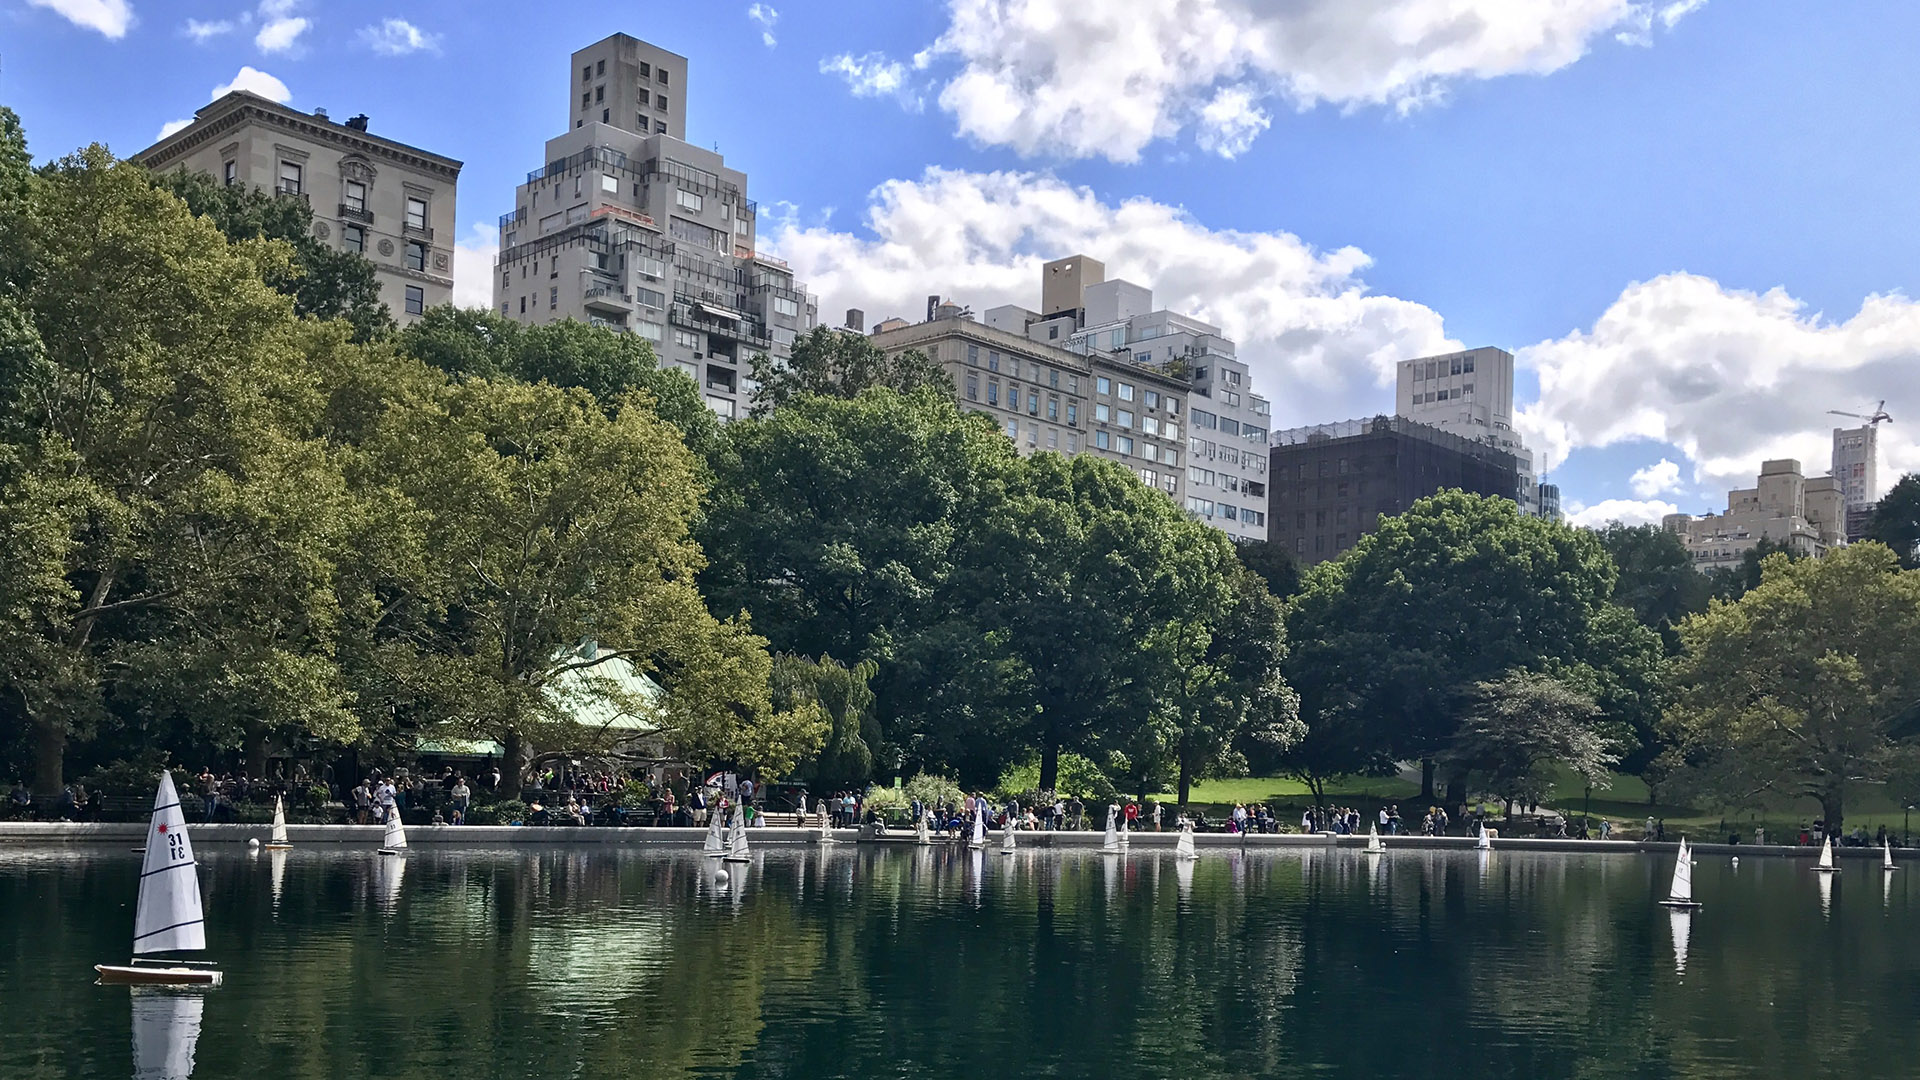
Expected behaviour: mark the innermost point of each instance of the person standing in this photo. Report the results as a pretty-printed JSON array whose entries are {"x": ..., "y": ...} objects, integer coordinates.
[
  {"x": 461, "y": 796},
  {"x": 362, "y": 802}
]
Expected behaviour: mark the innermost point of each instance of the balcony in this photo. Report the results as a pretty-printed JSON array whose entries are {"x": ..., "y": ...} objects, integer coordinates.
[
  {"x": 608, "y": 298},
  {"x": 292, "y": 191},
  {"x": 356, "y": 213},
  {"x": 421, "y": 232}
]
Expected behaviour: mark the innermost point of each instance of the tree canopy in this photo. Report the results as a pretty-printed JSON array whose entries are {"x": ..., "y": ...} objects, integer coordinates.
[
  {"x": 841, "y": 363},
  {"x": 1896, "y": 520}
]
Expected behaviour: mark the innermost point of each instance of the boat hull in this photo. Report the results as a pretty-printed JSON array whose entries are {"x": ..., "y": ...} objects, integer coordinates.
[
  {"x": 156, "y": 975},
  {"x": 393, "y": 851},
  {"x": 1680, "y": 905},
  {"x": 277, "y": 847}
]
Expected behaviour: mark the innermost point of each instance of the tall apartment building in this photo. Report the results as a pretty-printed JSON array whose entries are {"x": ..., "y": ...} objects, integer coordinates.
[
  {"x": 1547, "y": 503},
  {"x": 1332, "y": 483},
  {"x": 629, "y": 226},
  {"x": 388, "y": 201},
  {"x": 1807, "y": 516},
  {"x": 1469, "y": 394},
  {"x": 1856, "y": 465}
]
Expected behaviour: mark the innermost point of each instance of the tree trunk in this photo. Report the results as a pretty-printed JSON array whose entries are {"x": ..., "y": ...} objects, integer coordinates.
[
  {"x": 1186, "y": 781},
  {"x": 1833, "y": 808},
  {"x": 1426, "y": 778},
  {"x": 253, "y": 748},
  {"x": 1049, "y": 764},
  {"x": 512, "y": 764},
  {"x": 49, "y": 758},
  {"x": 1456, "y": 791}
]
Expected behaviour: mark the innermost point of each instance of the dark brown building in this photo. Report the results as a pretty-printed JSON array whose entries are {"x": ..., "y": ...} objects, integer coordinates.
[{"x": 1331, "y": 483}]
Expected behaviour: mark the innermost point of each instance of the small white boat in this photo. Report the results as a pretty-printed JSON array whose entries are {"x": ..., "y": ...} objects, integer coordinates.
[
  {"x": 167, "y": 917},
  {"x": 716, "y": 843},
  {"x": 277, "y": 839},
  {"x": 1886, "y": 856},
  {"x": 1374, "y": 846},
  {"x": 1680, "y": 895},
  {"x": 166, "y": 1028},
  {"x": 737, "y": 837},
  {"x": 979, "y": 841},
  {"x": 394, "y": 842},
  {"x": 923, "y": 835},
  {"x": 1485, "y": 843},
  {"x": 1006, "y": 839},
  {"x": 1111, "y": 845},
  {"x": 1824, "y": 865},
  {"x": 1124, "y": 831},
  {"x": 1183, "y": 847}
]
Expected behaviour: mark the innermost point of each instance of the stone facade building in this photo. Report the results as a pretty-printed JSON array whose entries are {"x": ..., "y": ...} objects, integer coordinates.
[
  {"x": 391, "y": 202},
  {"x": 1807, "y": 516}
]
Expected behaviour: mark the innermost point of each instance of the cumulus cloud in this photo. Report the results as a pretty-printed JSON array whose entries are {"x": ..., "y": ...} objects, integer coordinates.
[
  {"x": 254, "y": 81},
  {"x": 172, "y": 126},
  {"x": 109, "y": 17},
  {"x": 1656, "y": 479},
  {"x": 202, "y": 32},
  {"x": 1320, "y": 344},
  {"x": 1728, "y": 376},
  {"x": 1080, "y": 79},
  {"x": 764, "y": 16},
  {"x": 1624, "y": 511},
  {"x": 473, "y": 266},
  {"x": 398, "y": 37},
  {"x": 873, "y": 75},
  {"x": 280, "y": 28}
]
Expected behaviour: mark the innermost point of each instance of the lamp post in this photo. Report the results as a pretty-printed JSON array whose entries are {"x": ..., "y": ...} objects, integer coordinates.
[{"x": 1906, "y": 820}]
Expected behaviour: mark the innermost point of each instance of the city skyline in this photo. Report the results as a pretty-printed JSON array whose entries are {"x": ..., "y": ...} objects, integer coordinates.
[{"x": 1672, "y": 246}]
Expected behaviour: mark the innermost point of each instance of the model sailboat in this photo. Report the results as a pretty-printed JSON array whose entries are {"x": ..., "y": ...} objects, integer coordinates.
[
  {"x": 1825, "y": 863},
  {"x": 1680, "y": 895},
  {"x": 1183, "y": 847},
  {"x": 395, "y": 840},
  {"x": 277, "y": 839},
  {"x": 1374, "y": 847},
  {"x": 1124, "y": 841},
  {"x": 1886, "y": 856},
  {"x": 167, "y": 917},
  {"x": 737, "y": 837},
  {"x": 1112, "y": 844},
  {"x": 1485, "y": 843},
  {"x": 1006, "y": 838},
  {"x": 979, "y": 841},
  {"x": 716, "y": 844},
  {"x": 923, "y": 835}
]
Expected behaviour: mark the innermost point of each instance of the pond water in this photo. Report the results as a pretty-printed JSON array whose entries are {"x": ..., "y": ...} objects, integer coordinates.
[{"x": 859, "y": 962}]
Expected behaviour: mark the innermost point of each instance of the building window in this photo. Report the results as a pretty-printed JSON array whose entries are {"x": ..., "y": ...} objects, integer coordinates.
[
  {"x": 1013, "y": 429},
  {"x": 688, "y": 200},
  {"x": 586, "y": 73},
  {"x": 1033, "y": 403},
  {"x": 416, "y": 213},
  {"x": 1173, "y": 406},
  {"x": 599, "y": 94},
  {"x": 606, "y": 116},
  {"x": 660, "y": 127},
  {"x": 1149, "y": 426},
  {"x": 1103, "y": 385},
  {"x": 232, "y": 173},
  {"x": 973, "y": 355},
  {"x": 660, "y": 102},
  {"x": 993, "y": 360},
  {"x": 1153, "y": 399},
  {"x": 416, "y": 300},
  {"x": 290, "y": 176},
  {"x": 1053, "y": 378},
  {"x": 1053, "y": 438},
  {"x": 1073, "y": 413},
  {"x": 1053, "y": 331},
  {"x": 646, "y": 71},
  {"x": 1124, "y": 419},
  {"x": 973, "y": 388},
  {"x": 553, "y": 297},
  {"x": 354, "y": 237},
  {"x": 416, "y": 255},
  {"x": 523, "y": 305},
  {"x": 1053, "y": 408},
  {"x": 1100, "y": 440},
  {"x": 1125, "y": 446},
  {"x": 356, "y": 196},
  {"x": 1073, "y": 384},
  {"x": 687, "y": 340},
  {"x": 1101, "y": 412},
  {"x": 993, "y": 393},
  {"x": 1073, "y": 442},
  {"x": 661, "y": 76},
  {"x": 586, "y": 99},
  {"x": 1126, "y": 391}
]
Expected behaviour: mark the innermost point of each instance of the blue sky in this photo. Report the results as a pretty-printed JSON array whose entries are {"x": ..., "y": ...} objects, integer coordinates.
[{"x": 1691, "y": 220}]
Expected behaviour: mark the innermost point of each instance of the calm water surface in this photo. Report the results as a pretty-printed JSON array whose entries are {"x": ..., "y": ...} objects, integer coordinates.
[{"x": 857, "y": 962}]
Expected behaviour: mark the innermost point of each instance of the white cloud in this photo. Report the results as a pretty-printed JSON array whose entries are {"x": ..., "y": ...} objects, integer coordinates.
[
  {"x": 1625, "y": 511},
  {"x": 473, "y": 266},
  {"x": 1083, "y": 79},
  {"x": 1320, "y": 344},
  {"x": 255, "y": 81},
  {"x": 110, "y": 17},
  {"x": 1656, "y": 479},
  {"x": 205, "y": 31},
  {"x": 172, "y": 126},
  {"x": 873, "y": 75},
  {"x": 765, "y": 16},
  {"x": 1729, "y": 377},
  {"x": 280, "y": 28},
  {"x": 398, "y": 37},
  {"x": 1678, "y": 10}
]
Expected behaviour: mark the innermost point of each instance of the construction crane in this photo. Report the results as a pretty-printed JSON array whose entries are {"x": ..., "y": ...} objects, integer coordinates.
[{"x": 1879, "y": 414}]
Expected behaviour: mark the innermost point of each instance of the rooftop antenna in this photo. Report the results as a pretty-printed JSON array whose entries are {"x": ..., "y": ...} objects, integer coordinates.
[{"x": 1878, "y": 417}]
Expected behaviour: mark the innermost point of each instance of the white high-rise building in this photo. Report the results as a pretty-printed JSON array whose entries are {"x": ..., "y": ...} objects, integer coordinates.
[
  {"x": 1469, "y": 394},
  {"x": 1855, "y": 457}
]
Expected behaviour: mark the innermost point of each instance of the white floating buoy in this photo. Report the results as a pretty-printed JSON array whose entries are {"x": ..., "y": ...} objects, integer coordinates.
[
  {"x": 720, "y": 874},
  {"x": 253, "y": 841},
  {"x": 1736, "y": 860}
]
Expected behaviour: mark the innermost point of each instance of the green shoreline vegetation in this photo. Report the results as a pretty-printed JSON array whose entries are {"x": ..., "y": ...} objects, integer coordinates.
[{"x": 247, "y": 518}]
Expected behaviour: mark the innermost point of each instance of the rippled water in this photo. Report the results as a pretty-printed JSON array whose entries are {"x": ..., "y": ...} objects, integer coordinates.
[{"x": 860, "y": 962}]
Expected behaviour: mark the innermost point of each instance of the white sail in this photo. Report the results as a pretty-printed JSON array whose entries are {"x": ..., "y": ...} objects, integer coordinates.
[
  {"x": 1113, "y": 830},
  {"x": 737, "y": 837},
  {"x": 168, "y": 916},
  {"x": 166, "y": 1027},
  {"x": 922, "y": 834},
  {"x": 1886, "y": 855},
  {"x": 1826, "y": 854},
  {"x": 396, "y": 835},
  {"x": 716, "y": 844},
  {"x": 1183, "y": 847},
  {"x": 1485, "y": 843},
  {"x": 1124, "y": 841},
  {"x": 279, "y": 834},
  {"x": 1682, "y": 890},
  {"x": 1374, "y": 847},
  {"x": 1006, "y": 838},
  {"x": 1681, "y": 921},
  {"x": 979, "y": 824}
]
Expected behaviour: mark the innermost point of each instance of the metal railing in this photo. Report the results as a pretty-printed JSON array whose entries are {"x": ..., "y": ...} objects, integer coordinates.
[
  {"x": 422, "y": 231},
  {"x": 356, "y": 213}
]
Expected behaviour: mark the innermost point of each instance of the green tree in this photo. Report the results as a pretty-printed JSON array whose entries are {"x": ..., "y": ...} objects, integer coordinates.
[
  {"x": 1274, "y": 563},
  {"x": 841, "y": 364},
  {"x": 1657, "y": 581},
  {"x": 551, "y": 523},
  {"x": 16, "y": 186},
  {"x": 1460, "y": 589},
  {"x": 1516, "y": 726},
  {"x": 842, "y": 695},
  {"x": 1732, "y": 582},
  {"x": 605, "y": 363},
  {"x": 1809, "y": 681},
  {"x": 1227, "y": 685},
  {"x": 1896, "y": 520},
  {"x": 324, "y": 281}
]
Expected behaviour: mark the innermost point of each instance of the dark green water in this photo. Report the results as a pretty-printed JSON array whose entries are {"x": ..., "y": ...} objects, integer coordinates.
[{"x": 849, "y": 962}]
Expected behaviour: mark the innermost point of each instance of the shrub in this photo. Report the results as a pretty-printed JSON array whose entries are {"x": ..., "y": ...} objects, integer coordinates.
[
  {"x": 890, "y": 803},
  {"x": 934, "y": 790},
  {"x": 505, "y": 812}
]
